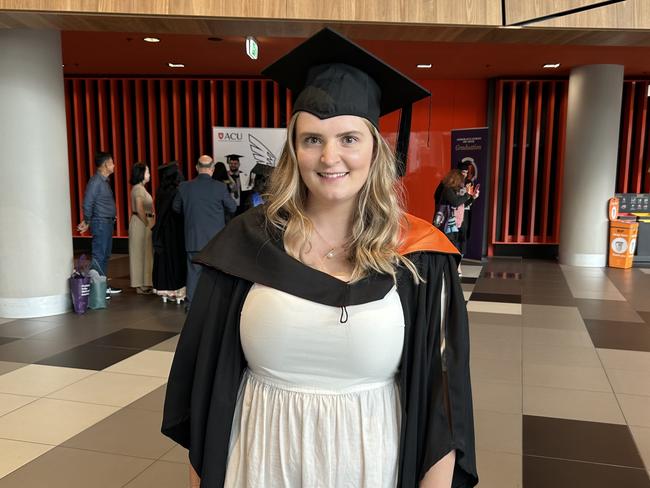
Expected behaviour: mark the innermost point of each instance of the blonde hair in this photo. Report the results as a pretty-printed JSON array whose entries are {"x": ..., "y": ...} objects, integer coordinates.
[{"x": 379, "y": 215}]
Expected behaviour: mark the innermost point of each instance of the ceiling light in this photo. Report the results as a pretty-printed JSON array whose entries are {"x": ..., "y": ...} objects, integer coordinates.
[
  {"x": 424, "y": 66},
  {"x": 552, "y": 65},
  {"x": 251, "y": 47},
  {"x": 151, "y": 39},
  {"x": 175, "y": 65}
]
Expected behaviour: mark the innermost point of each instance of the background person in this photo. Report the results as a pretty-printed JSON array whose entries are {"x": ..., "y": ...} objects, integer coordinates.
[{"x": 140, "y": 225}]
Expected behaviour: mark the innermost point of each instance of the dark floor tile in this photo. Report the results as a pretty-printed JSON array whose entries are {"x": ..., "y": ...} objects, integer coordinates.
[
  {"x": 607, "y": 310},
  {"x": 494, "y": 297},
  {"x": 467, "y": 279},
  {"x": 645, "y": 316},
  {"x": 89, "y": 357},
  {"x": 508, "y": 287},
  {"x": 75, "y": 334},
  {"x": 555, "y": 300},
  {"x": 23, "y": 328},
  {"x": 608, "y": 334},
  {"x": 577, "y": 440},
  {"x": 132, "y": 338},
  {"x": 501, "y": 275},
  {"x": 541, "y": 472},
  {"x": 29, "y": 351},
  {"x": 7, "y": 340}
]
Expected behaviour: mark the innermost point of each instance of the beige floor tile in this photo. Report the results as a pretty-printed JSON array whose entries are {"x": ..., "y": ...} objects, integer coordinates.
[
  {"x": 570, "y": 377},
  {"x": 153, "y": 401},
  {"x": 560, "y": 356},
  {"x": 642, "y": 439},
  {"x": 162, "y": 475},
  {"x": 645, "y": 270},
  {"x": 104, "y": 388},
  {"x": 496, "y": 431},
  {"x": 7, "y": 366},
  {"x": 593, "y": 406},
  {"x": 51, "y": 421},
  {"x": 39, "y": 380},
  {"x": 490, "y": 332},
  {"x": 128, "y": 432},
  {"x": 169, "y": 345},
  {"x": 495, "y": 319},
  {"x": 14, "y": 454},
  {"x": 499, "y": 469},
  {"x": 495, "y": 370},
  {"x": 9, "y": 403},
  {"x": 630, "y": 382},
  {"x": 73, "y": 468},
  {"x": 470, "y": 271},
  {"x": 494, "y": 307},
  {"x": 495, "y": 349},
  {"x": 635, "y": 408},
  {"x": 5, "y": 321},
  {"x": 497, "y": 397},
  {"x": 146, "y": 363},
  {"x": 625, "y": 360},
  {"x": 552, "y": 317},
  {"x": 557, "y": 337},
  {"x": 467, "y": 294},
  {"x": 178, "y": 454}
]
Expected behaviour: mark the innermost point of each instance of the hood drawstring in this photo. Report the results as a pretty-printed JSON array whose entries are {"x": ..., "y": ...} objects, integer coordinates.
[{"x": 344, "y": 311}]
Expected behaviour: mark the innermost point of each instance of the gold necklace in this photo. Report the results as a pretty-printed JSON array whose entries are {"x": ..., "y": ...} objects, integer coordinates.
[{"x": 332, "y": 252}]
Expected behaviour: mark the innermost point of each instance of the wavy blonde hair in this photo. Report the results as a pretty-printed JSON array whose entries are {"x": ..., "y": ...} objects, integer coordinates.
[{"x": 379, "y": 213}]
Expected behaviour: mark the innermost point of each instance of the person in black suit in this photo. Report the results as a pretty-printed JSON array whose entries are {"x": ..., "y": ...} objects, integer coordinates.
[{"x": 202, "y": 202}]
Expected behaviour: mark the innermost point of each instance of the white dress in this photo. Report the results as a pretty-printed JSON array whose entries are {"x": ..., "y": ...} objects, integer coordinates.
[{"x": 319, "y": 403}]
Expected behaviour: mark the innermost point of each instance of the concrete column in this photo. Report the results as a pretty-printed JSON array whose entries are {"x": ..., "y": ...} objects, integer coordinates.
[
  {"x": 35, "y": 222},
  {"x": 593, "y": 120}
]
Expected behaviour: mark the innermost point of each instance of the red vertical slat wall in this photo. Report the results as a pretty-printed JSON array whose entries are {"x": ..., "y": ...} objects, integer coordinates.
[
  {"x": 156, "y": 120},
  {"x": 527, "y": 160},
  {"x": 634, "y": 143}
]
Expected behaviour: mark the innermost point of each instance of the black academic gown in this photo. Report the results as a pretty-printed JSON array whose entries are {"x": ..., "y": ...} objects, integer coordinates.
[
  {"x": 169, "y": 260},
  {"x": 209, "y": 362}
]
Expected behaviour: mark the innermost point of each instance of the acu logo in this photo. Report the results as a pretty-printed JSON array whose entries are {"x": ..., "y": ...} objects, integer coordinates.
[{"x": 230, "y": 136}]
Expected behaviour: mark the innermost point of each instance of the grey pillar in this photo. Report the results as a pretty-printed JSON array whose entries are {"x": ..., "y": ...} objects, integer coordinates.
[
  {"x": 35, "y": 222},
  {"x": 593, "y": 120}
]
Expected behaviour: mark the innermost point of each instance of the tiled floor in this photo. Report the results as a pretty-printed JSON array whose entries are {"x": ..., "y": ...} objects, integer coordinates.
[{"x": 560, "y": 368}]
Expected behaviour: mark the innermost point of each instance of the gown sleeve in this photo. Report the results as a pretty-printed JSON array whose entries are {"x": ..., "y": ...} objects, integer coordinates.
[
  {"x": 198, "y": 400},
  {"x": 446, "y": 414}
]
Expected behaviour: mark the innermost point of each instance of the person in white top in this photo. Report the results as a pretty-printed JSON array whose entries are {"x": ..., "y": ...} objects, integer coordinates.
[{"x": 328, "y": 342}]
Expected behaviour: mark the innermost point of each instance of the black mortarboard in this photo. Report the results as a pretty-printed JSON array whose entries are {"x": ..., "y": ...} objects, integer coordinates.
[
  {"x": 169, "y": 168},
  {"x": 262, "y": 169},
  {"x": 330, "y": 76},
  {"x": 234, "y": 156}
]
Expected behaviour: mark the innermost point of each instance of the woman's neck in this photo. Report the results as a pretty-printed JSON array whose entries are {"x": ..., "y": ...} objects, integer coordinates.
[{"x": 333, "y": 221}]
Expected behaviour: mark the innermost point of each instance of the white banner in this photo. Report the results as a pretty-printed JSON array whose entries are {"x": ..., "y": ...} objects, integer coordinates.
[{"x": 257, "y": 146}]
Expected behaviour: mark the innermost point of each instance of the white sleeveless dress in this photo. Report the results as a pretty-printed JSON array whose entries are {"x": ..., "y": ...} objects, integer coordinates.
[{"x": 319, "y": 403}]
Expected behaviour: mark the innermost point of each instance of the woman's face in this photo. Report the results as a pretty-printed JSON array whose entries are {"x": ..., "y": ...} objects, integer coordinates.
[
  {"x": 334, "y": 156},
  {"x": 147, "y": 176}
]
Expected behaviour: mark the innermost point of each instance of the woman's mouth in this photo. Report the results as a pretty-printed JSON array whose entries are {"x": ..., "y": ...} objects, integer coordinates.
[{"x": 333, "y": 176}]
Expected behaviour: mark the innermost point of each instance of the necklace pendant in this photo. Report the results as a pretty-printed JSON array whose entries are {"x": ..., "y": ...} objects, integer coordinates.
[{"x": 330, "y": 254}]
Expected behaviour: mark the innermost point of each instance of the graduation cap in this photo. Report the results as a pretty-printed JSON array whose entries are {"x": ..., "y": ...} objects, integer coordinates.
[
  {"x": 233, "y": 156},
  {"x": 169, "y": 168},
  {"x": 330, "y": 76}
]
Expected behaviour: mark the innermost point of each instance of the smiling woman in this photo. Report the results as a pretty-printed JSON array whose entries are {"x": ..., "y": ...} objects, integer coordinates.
[{"x": 331, "y": 325}]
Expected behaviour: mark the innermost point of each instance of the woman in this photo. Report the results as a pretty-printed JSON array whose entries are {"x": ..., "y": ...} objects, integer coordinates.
[
  {"x": 315, "y": 352},
  {"x": 169, "y": 266},
  {"x": 140, "y": 224},
  {"x": 451, "y": 197}
]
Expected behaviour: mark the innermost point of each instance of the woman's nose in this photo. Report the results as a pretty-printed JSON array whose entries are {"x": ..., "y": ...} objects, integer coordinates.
[{"x": 330, "y": 153}]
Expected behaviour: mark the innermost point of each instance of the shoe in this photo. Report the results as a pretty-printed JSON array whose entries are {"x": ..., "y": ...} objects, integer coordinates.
[
  {"x": 141, "y": 290},
  {"x": 113, "y": 291}
]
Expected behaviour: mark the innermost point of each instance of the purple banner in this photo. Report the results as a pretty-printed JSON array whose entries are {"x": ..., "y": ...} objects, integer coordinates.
[{"x": 469, "y": 147}]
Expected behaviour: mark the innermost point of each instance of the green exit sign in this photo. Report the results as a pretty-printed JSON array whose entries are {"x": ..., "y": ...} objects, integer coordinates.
[{"x": 251, "y": 47}]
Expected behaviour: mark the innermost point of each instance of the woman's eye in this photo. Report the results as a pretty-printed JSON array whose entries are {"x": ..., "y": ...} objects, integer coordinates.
[
  {"x": 312, "y": 140},
  {"x": 349, "y": 139}
]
